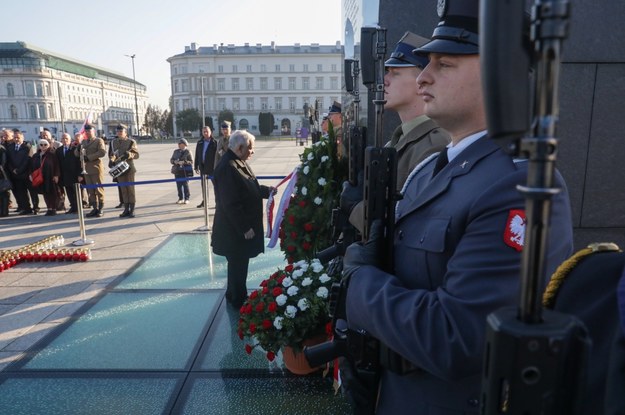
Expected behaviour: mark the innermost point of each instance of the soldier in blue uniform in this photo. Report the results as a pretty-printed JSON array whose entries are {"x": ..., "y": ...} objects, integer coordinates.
[{"x": 458, "y": 241}]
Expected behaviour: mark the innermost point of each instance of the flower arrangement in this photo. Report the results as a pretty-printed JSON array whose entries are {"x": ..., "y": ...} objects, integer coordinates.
[
  {"x": 290, "y": 307},
  {"x": 306, "y": 228}
]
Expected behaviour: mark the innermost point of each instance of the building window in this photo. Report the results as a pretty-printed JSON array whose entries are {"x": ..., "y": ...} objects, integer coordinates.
[
  {"x": 221, "y": 84},
  {"x": 235, "y": 69},
  {"x": 319, "y": 67},
  {"x": 305, "y": 83},
  {"x": 235, "y": 84},
  {"x": 263, "y": 67},
  {"x": 249, "y": 84},
  {"x": 333, "y": 67},
  {"x": 277, "y": 67},
  {"x": 13, "y": 111},
  {"x": 51, "y": 111},
  {"x": 292, "y": 102},
  {"x": 221, "y": 103},
  {"x": 39, "y": 87},
  {"x": 250, "y": 104},
  {"x": 220, "y": 68},
  {"x": 185, "y": 86},
  {"x": 30, "y": 89},
  {"x": 10, "y": 90},
  {"x": 47, "y": 85},
  {"x": 42, "y": 111},
  {"x": 33, "y": 111},
  {"x": 264, "y": 103},
  {"x": 277, "y": 84},
  {"x": 236, "y": 104},
  {"x": 319, "y": 82},
  {"x": 244, "y": 124},
  {"x": 278, "y": 103},
  {"x": 319, "y": 102},
  {"x": 249, "y": 68},
  {"x": 305, "y": 67},
  {"x": 291, "y": 67},
  {"x": 292, "y": 84},
  {"x": 263, "y": 84},
  {"x": 334, "y": 82}
]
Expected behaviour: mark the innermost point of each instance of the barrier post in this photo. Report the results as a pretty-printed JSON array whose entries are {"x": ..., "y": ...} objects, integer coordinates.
[
  {"x": 204, "y": 180},
  {"x": 81, "y": 219}
]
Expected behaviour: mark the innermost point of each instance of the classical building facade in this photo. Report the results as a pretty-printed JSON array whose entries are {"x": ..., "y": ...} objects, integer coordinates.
[
  {"x": 41, "y": 89},
  {"x": 253, "y": 79}
]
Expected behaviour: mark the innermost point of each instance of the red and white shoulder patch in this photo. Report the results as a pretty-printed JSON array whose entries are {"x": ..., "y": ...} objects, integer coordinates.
[{"x": 514, "y": 234}]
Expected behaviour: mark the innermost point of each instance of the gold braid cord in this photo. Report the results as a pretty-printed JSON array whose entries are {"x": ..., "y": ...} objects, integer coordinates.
[{"x": 558, "y": 277}]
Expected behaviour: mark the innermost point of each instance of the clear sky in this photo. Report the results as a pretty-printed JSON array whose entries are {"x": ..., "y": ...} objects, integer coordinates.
[{"x": 101, "y": 33}]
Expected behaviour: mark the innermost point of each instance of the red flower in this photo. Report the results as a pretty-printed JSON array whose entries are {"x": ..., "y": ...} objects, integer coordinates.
[
  {"x": 248, "y": 349},
  {"x": 252, "y": 328},
  {"x": 272, "y": 307},
  {"x": 308, "y": 227},
  {"x": 265, "y": 290},
  {"x": 260, "y": 307},
  {"x": 302, "y": 203},
  {"x": 266, "y": 324},
  {"x": 289, "y": 268},
  {"x": 276, "y": 291},
  {"x": 263, "y": 283},
  {"x": 293, "y": 235},
  {"x": 307, "y": 246},
  {"x": 291, "y": 219},
  {"x": 253, "y": 295},
  {"x": 290, "y": 248},
  {"x": 240, "y": 334},
  {"x": 271, "y": 356}
]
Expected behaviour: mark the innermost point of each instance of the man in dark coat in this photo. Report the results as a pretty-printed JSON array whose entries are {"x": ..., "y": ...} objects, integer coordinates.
[
  {"x": 70, "y": 166},
  {"x": 238, "y": 225},
  {"x": 205, "y": 155},
  {"x": 19, "y": 155}
]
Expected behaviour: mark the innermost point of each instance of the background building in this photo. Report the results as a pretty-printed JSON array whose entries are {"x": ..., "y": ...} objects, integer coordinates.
[
  {"x": 40, "y": 89},
  {"x": 251, "y": 79}
]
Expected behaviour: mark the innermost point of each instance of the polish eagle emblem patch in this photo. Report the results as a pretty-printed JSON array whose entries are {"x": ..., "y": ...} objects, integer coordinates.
[{"x": 514, "y": 234}]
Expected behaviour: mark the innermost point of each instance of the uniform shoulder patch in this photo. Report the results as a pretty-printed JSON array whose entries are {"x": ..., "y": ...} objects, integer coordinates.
[{"x": 514, "y": 234}]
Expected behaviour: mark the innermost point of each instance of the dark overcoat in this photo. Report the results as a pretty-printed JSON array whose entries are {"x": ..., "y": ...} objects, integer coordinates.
[
  {"x": 239, "y": 207},
  {"x": 69, "y": 164},
  {"x": 456, "y": 261}
]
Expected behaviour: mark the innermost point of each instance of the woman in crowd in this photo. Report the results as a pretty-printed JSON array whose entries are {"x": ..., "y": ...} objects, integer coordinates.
[
  {"x": 182, "y": 167},
  {"x": 51, "y": 172}
]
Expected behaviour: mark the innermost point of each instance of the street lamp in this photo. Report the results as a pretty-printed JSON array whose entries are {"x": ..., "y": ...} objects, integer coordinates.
[{"x": 134, "y": 84}]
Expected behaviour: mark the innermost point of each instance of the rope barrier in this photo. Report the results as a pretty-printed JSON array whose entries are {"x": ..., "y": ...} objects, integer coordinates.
[{"x": 94, "y": 186}]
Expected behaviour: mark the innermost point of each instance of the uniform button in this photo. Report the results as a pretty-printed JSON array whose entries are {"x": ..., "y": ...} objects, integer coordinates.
[
  {"x": 422, "y": 239},
  {"x": 400, "y": 235},
  {"x": 473, "y": 402}
]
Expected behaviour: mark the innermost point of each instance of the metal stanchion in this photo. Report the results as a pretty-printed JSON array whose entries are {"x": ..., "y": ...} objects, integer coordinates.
[
  {"x": 204, "y": 180},
  {"x": 83, "y": 236}
]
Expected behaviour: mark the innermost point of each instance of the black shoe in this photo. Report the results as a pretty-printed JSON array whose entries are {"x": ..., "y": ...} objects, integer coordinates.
[
  {"x": 35, "y": 211},
  {"x": 71, "y": 211},
  {"x": 25, "y": 212},
  {"x": 99, "y": 213},
  {"x": 50, "y": 213},
  {"x": 119, "y": 206},
  {"x": 201, "y": 205},
  {"x": 93, "y": 213}
]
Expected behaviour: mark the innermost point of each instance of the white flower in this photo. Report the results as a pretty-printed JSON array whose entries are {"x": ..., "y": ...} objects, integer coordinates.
[
  {"x": 302, "y": 304},
  {"x": 306, "y": 169},
  {"x": 318, "y": 200},
  {"x": 306, "y": 282},
  {"x": 299, "y": 263},
  {"x": 311, "y": 156},
  {"x": 287, "y": 282},
  {"x": 281, "y": 300},
  {"x": 277, "y": 322},
  {"x": 324, "y": 278},
  {"x": 304, "y": 191},
  {"x": 322, "y": 292},
  {"x": 304, "y": 266},
  {"x": 297, "y": 273},
  {"x": 322, "y": 181},
  {"x": 317, "y": 267},
  {"x": 292, "y": 290},
  {"x": 291, "y": 311},
  {"x": 324, "y": 158}
]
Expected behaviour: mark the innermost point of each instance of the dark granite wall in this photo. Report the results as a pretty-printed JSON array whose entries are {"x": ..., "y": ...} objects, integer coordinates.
[{"x": 592, "y": 108}]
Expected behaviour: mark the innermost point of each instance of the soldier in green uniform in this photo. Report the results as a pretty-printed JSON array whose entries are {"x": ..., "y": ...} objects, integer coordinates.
[
  {"x": 91, "y": 152},
  {"x": 125, "y": 151}
]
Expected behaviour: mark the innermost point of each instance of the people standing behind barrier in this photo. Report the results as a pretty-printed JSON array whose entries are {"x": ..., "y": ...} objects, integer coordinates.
[
  {"x": 19, "y": 169},
  {"x": 238, "y": 227},
  {"x": 205, "y": 155},
  {"x": 70, "y": 167},
  {"x": 459, "y": 234},
  {"x": 225, "y": 129},
  {"x": 182, "y": 167},
  {"x": 4, "y": 175},
  {"x": 91, "y": 152},
  {"x": 6, "y": 140},
  {"x": 125, "y": 151},
  {"x": 45, "y": 158}
]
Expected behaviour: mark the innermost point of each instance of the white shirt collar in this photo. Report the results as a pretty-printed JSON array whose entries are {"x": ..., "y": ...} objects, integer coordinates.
[{"x": 453, "y": 151}]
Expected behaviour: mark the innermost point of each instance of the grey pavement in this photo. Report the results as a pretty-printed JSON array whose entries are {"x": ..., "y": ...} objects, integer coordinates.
[{"x": 35, "y": 297}]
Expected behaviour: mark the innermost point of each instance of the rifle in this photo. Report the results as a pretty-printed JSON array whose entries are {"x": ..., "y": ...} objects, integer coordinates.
[
  {"x": 380, "y": 171},
  {"x": 534, "y": 359}
]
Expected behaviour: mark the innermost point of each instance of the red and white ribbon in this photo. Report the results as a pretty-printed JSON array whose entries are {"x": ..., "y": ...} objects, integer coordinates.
[{"x": 273, "y": 227}]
